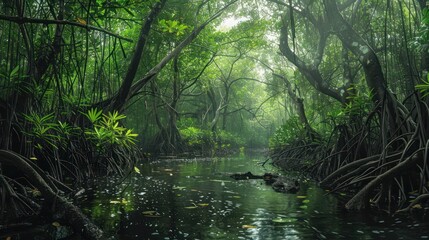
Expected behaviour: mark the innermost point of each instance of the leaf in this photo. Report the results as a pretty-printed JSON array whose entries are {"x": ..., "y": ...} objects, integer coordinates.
[
  {"x": 136, "y": 169},
  {"x": 150, "y": 212},
  {"x": 191, "y": 207},
  {"x": 284, "y": 220},
  {"x": 36, "y": 192},
  {"x": 301, "y": 197},
  {"x": 203, "y": 204},
  {"x": 417, "y": 206},
  {"x": 248, "y": 226},
  {"x": 303, "y": 206},
  {"x": 81, "y": 21},
  {"x": 33, "y": 158},
  {"x": 56, "y": 224},
  {"x": 306, "y": 201}
]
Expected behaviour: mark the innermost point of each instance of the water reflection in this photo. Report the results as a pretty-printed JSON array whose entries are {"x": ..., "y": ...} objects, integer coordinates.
[{"x": 198, "y": 200}]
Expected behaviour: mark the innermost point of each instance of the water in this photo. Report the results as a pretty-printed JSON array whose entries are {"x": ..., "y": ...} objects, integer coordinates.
[{"x": 196, "y": 199}]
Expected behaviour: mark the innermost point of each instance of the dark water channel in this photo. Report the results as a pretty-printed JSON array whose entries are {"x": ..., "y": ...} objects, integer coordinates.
[{"x": 196, "y": 199}]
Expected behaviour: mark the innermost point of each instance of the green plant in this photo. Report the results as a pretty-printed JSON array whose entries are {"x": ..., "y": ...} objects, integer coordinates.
[
  {"x": 423, "y": 88},
  {"x": 107, "y": 131},
  {"x": 43, "y": 129},
  {"x": 292, "y": 130}
]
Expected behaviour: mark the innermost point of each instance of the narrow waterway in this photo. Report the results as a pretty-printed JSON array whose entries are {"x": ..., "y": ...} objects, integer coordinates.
[{"x": 196, "y": 199}]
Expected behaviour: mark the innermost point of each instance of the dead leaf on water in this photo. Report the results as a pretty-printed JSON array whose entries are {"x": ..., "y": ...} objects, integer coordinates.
[
  {"x": 248, "y": 226},
  {"x": 191, "y": 207}
]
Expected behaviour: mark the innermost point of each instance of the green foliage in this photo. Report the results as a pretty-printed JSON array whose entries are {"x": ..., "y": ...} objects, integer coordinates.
[
  {"x": 107, "y": 132},
  {"x": 422, "y": 38},
  {"x": 93, "y": 115},
  {"x": 197, "y": 138},
  {"x": 360, "y": 102},
  {"x": 424, "y": 87},
  {"x": 43, "y": 128},
  {"x": 172, "y": 26},
  {"x": 228, "y": 140},
  {"x": 292, "y": 130}
]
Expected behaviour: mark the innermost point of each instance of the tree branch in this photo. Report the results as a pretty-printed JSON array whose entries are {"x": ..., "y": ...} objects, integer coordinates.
[{"x": 23, "y": 20}]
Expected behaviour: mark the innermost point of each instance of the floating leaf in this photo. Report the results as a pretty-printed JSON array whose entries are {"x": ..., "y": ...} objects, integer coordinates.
[
  {"x": 150, "y": 212},
  {"x": 306, "y": 201},
  {"x": 343, "y": 194},
  {"x": 248, "y": 226},
  {"x": 236, "y": 196},
  {"x": 122, "y": 201},
  {"x": 203, "y": 204},
  {"x": 303, "y": 206},
  {"x": 284, "y": 220},
  {"x": 136, "y": 169},
  {"x": 301, "y": 197},
  {"x": 178, "y": 188},
  {"x": 191, "y": 207},
  {"x": 33, "y": 158}
]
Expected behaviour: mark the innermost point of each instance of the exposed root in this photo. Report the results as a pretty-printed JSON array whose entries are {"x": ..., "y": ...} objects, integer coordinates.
[{"x": 59, "y": 205}]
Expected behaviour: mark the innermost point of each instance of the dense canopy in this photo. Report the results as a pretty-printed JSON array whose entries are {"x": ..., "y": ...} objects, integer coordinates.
[{"x": 336, "y": 89}]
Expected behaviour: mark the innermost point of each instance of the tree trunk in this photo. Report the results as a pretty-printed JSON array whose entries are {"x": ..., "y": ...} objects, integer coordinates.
[{"x": 123, "y": 94}]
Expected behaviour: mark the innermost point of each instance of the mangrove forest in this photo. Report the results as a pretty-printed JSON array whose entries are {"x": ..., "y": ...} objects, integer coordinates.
[{"x": 214, "y": 119}]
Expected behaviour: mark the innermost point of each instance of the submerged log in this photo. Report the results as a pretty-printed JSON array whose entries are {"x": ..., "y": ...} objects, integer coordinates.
[
  {"x": 245, "y": 176},
  {"x": 286, "y": 186}
]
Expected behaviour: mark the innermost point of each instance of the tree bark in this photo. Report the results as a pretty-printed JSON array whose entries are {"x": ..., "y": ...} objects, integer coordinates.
[
  {"x": 122, "y": 97},
  {"x": 310, "y": 71}
]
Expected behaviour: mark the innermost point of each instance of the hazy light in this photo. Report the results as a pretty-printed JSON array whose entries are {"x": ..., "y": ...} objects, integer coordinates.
[{"x": 229, "y": 23}]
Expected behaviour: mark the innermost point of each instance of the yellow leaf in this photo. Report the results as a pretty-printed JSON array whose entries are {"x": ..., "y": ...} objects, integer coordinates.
[
  {"x": 191, "y": 207},
  {"x": 81, "y": 21},
  {"x": 417, "y": 206},
  {"x": 36, "y": 192},
  {"x": 203, "y": 204},
  {"x": 33, "y": 158},
  {"x": 56, "y": 224},
  {"x": 248, "y": 226},
  {"x": 137, "y": 170},
  {"x": 150, "y": 212}
]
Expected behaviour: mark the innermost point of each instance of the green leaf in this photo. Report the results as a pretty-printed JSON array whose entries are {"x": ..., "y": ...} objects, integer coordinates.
[{"x": 136, "y": 169}]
